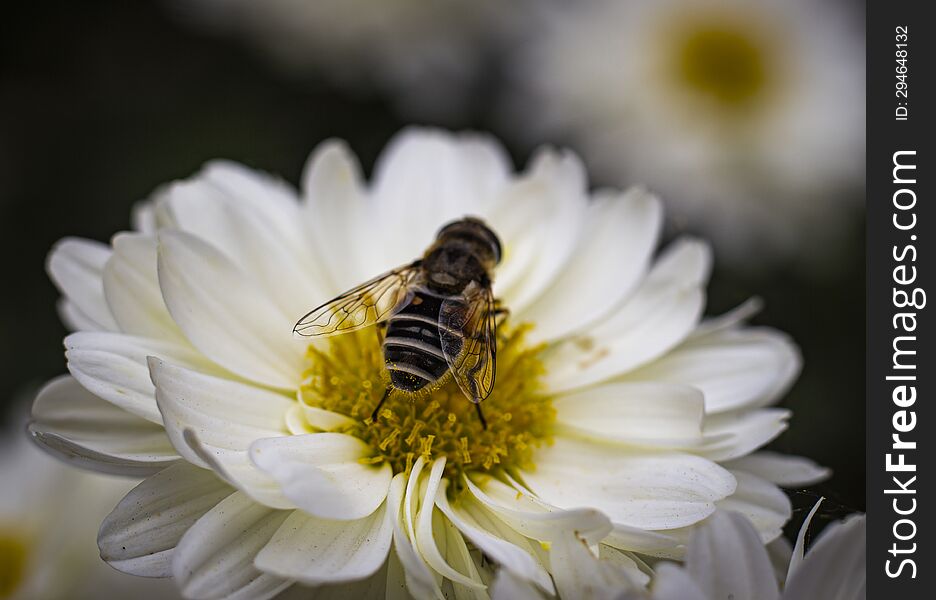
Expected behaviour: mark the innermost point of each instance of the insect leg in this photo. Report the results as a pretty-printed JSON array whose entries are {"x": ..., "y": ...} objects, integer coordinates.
[
  {"x": 386, "y": 394},
  {"x": 481, "y": 416}
]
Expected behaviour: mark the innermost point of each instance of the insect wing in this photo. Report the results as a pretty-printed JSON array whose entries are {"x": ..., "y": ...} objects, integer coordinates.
[
  {"x": 468, "y": 333},
  {"x": 365, "y": 305}
]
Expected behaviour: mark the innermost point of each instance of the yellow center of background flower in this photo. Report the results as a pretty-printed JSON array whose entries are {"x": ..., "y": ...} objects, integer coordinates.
[
  {"x": 722, "y": 63},
  {"x": 349, "y": 378},
  {"x": 14, "y": 557}
]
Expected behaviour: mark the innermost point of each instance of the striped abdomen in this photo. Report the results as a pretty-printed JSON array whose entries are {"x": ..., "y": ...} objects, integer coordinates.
[{"x": 412, "y": 348}]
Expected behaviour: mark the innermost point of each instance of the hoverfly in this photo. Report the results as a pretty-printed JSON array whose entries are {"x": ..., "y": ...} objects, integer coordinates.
[{"x": 437, "y": 314}]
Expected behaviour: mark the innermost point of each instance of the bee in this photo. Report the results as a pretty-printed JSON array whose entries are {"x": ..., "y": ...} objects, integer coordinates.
[{"x": 437, "y": 315}]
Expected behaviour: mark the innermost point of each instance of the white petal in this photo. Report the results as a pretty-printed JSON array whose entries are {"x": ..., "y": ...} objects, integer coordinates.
[
  {"x": 657, "y": 317},
  {"x": 727, "y": 559},
  {"x": 222, "y": 418},
  {"x": 673, "y": 583},
  {"x": 730, "y": 435},
  {"x": 798, "y": 553},
  {"x": 113, "y": 367},
  {"x": 215, "y": 557},
  {"x": 539, "y": 221},
  {"x": 508, "y": 586},
  {"x": 782, "y": 469},
  {"x": 426, "y": 178},
  {"x": 834, "y": 567},
  {"x": 139, "y": 535},
  {"x": 83, "y": 429},
  {"x": 132, "y": 289},
  {"x": 534, "y": 519},
  {"x": 424, "y": 535},
  {"x": 322, "y": 473},
  {"x": 254, "y": 220},
  {"x": 596, "y": 279},
  {"x": 645, "y": 414},
  {"x": 579, "y": 574},
  {"x": 734, "y": 368},
  {"x": 76, "y": 267},
  {"x": 319, "y": 551},
  {"x": 225, "y": 313},
  {"x": 420, "y": 582},
  {"x": 651, "y": 543},
  {"x": 337, "y": 209},
  {"x": 143, "y": 217},
  {"x": 762, "y": 502},
  {"x": 648, "y": 490},
  {"x": 498, "y": 541}
]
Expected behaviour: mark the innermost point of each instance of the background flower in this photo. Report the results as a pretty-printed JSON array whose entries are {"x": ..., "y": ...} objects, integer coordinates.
[
  {"x": 49, "y": 516},
  {"x": 747, "y": 116}
]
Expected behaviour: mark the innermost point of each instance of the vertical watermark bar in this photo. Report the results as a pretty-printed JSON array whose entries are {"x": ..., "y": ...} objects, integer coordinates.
[{"x": 901, "y": 373}]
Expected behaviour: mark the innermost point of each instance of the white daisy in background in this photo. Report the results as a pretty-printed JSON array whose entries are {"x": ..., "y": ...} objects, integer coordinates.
[
  {"x": 616, "y": 414},
  {"x": 726, "y": 559},
  {"x": 49, "y": 517},
  {"x": 747, "y": 115},
  {"x": 428, "y": 55}
]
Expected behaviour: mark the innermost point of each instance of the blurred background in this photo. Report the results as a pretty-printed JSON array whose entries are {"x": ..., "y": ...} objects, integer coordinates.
[{"x": 746, "y": 116}]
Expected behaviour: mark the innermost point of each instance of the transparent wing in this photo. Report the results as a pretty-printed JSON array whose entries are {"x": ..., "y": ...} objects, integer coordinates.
[
  {"x": 365, "y": 305},
  {"x": 468, "y": 332}
]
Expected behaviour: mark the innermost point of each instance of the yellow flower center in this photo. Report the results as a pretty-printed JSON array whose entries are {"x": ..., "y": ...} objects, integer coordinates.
[
  {"x": 725, "y": 62},
  {"x": 349, "y": 379},
  {"x": 14, "y": 559}
]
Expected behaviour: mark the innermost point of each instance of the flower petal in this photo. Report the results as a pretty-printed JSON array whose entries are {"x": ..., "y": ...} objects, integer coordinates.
[
  {"x": 761, "y": 502},
  {"x": 113, "y": 367},
  {"x": 658, "y": 316},
  {"x": 139, "y": 535},
  {"x": 76, "y": 267},
  {"x": 596, "y": 279},
  {"x": 670, "y": 582},
  {"x": 80, "y": 428},
  {"x": 539, "y": 221},
  {"x": 782, "y": 469},
  {"x": 320, "y": 551},
  {"x": 649, "y": 490},
  {"x": 132, "y": 289},
  {"x": 337, "y": 209},
  {"x": 215, "y": 557},
  {"x": 424, "y": 536},
  {"x": 495, "y": 539},
  {"x": 727, "y": 559},
  {"x": 644, "y": 414},
  {"x": 730, "y": 435},
  {"x": 420, "y": 582},
  {"x": 835, "y": 565},
  {"x": 254, "y": 220},
  {"x": 226, "y": 314},
  {"x": 579, "y": 574},
  {"x": 508, "y": 586},
  {"x": 734, "y": 368},
  {"x": 212, "y": 421},
  {"x": 534, "y": 519},
  {"x": 426, "y": 178},
  {"x": 322, "y": 473}
]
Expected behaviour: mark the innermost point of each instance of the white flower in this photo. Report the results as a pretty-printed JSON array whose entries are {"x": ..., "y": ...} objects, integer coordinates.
[
  {"x": 617, "y": 414},
  {"x": 49, "y": 516},
  {"x": 429, "y": 55},
  {"x": 748, "y": 116}
]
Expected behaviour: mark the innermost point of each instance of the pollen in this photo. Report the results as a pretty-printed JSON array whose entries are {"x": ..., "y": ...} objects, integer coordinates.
[{"x": 347, "y": 376}]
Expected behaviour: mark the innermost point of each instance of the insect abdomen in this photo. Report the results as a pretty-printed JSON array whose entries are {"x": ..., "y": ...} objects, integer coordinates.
[{"x": 412, "y": 347}]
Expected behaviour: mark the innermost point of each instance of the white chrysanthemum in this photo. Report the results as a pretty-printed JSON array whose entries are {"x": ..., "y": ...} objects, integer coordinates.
[
  {"x": 427, "y": 54},
  {"x": 49, "y": 516},
  {"x": 748, "y": 116},
  {"x": 616, "y": 413},
  {"x": 725, "y": 559}
]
